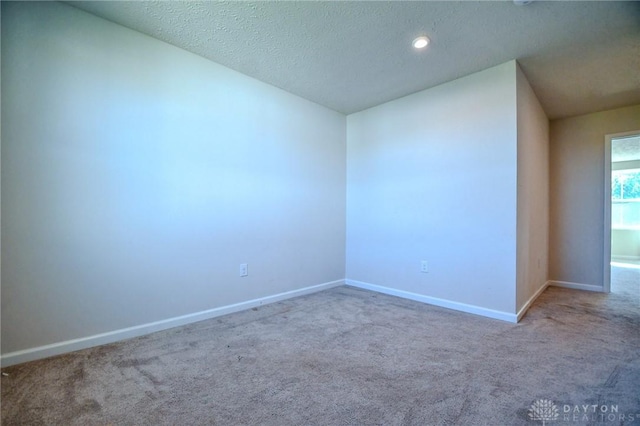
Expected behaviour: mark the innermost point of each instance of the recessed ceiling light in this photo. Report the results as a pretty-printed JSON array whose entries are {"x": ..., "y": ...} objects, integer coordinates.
[{"x": 420, "y": 42}]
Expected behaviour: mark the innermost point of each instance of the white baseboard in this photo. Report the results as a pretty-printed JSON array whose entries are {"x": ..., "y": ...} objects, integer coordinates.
[
  {"x": 532, "y": 299},
  {"x": 576, "y": 286},
  {"x": 457, "y": 306},
  {"x": 60, "y": 348}
]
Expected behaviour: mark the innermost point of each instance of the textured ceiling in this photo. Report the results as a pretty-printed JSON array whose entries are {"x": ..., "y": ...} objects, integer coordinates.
[{"x": 580, "y": 57}]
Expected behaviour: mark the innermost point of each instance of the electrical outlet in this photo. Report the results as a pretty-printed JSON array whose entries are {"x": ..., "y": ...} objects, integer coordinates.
[
  {"x": 424, "y": 266},
  {"x": 244, "y": 270}
]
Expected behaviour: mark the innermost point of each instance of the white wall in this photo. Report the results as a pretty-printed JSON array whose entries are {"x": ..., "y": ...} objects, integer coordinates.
[
  {"x": 136, "y": 177},
  {"x": 576, "y": 239},
  {"x": 432, "y": 176},
  {"x": 533, "y": 193}
]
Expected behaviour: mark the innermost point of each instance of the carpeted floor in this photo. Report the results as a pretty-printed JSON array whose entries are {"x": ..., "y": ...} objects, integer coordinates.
[{"x": 349, "y": 356}]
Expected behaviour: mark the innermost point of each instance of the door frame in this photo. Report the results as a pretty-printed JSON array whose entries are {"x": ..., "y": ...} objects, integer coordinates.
[{"x": 606, "y": 284}]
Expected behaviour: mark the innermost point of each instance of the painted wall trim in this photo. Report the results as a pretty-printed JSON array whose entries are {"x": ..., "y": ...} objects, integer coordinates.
[
  {"x": 622, "y": 257},
  {"x": 457, "y": 306},
  {"x": 577, "y": 286},
  {"x": 532, "y": 299},
  {"x": 606, "y": 263},
  {"x": 60, "y": 348}
]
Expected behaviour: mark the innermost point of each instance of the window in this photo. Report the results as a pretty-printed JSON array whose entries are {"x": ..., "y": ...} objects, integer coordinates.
[{"x": 625, "y": 199}]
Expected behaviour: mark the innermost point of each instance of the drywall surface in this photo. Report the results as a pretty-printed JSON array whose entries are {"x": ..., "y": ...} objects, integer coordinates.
[
  {"x": 533, "y": 193},
  {"x": 576, "y": 239},
  {"x": 137, "y": 177},
  {"x": 432, "y": 176}
]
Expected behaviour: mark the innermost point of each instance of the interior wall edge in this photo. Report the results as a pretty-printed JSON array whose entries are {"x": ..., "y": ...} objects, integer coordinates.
[
  {"x": 576, "y": 286},
  {"x": 443, "y": 303},
  {"x": 523, "y": 310},
  {"x": 41, "y": 352},
  {"x": 577, "y": 241},
  {"x": 137, "y": 177}
]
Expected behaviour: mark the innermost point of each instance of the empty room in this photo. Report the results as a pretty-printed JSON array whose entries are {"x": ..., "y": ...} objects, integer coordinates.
[{"x": 320, "y": 213}]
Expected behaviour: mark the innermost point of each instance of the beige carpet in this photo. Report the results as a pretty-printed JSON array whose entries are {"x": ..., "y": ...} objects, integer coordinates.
[{"x": 348, "y": 356}]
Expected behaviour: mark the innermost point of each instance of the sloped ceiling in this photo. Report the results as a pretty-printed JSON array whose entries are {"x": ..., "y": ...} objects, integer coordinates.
[{"x": 580, "y": 57}]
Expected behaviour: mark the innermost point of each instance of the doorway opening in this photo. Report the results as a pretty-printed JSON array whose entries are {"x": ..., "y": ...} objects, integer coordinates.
[{"x": 622, "y": 212}]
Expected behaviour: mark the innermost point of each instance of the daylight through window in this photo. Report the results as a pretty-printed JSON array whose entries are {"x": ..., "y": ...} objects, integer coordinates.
[{"x": 625, "y": 199}]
